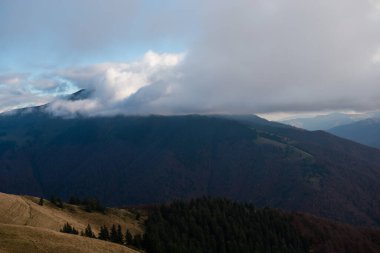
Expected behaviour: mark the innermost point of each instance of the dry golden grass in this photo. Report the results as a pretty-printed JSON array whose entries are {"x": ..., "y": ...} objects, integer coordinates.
[
  {"x": 26, "y": 226},
  {"x": 24, "y": 210},
  {"x": 19, "y": 239}
]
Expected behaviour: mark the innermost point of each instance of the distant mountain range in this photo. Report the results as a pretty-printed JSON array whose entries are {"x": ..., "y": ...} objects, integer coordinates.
[
  {"x": 325, "y": 122},
  {"x": 365, "y": 131},
  {"x": 143, "y": 160},
  {"x": 361, "y": 128}
]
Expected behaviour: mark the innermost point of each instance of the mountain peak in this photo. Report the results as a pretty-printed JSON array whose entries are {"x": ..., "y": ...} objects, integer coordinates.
[{"x": 81, "y": 94}]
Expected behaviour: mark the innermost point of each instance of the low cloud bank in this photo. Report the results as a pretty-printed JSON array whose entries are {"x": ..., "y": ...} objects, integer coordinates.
[{"x": 264, "y": 56}]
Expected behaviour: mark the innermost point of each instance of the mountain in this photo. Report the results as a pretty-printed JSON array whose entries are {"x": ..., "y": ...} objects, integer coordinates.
[
  {"x": 154, "y": 159},
  {"x": 80, "y": 95},
  {"x": 324, "y": 122},
  {"x": 365, "y": 131}
]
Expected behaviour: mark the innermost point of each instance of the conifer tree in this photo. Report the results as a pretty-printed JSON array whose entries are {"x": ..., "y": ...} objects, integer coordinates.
[
  {"x": 41, "y": 202},
  {"x": 74, "y": 200},
  {"x": 113, "y": 234},
  {"x": 138, "y": 241},
  {"x": 59, "y": 203},
  {"x": 119, "y": 235},
  {"x": 88, "y": 232},
  {"x": 128, "y": 238},
  {"x": 104, "y": 233},
  {"x": 53, "y": 200},
  {"x": 67, "y": 228}
]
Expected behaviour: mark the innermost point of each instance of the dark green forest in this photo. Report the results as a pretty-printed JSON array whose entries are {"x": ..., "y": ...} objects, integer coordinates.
[{"x": 221, "y": 226}]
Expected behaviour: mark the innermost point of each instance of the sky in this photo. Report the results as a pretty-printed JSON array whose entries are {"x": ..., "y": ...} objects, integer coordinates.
[{"x": 269, "y": 57}]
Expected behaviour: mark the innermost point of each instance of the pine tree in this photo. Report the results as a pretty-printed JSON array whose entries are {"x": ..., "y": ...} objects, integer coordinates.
[
  {"x": 67, "y": 228},
  {"x": 119, "y": 235},
  {"x": 53, "y": 200},
  {"x": 87, "y": 206},
  {"x": 88, "y": 232},
  {"x": 92, "y": 204},
  {"x": 138, "y": 241},
  {"x": 59, "y": 203},
  {"x": 113, "y": 234},
  {"x": 74, "y": 200},
  {"x": 41, "y": 202},
  {"x": 128, "y": 238},
  {"x": 104, "y": 233}
]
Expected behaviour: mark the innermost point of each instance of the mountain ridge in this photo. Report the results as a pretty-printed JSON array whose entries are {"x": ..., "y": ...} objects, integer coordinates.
[
  {"x": 366, "y": 132},
  {"x": 153, "y": 159}
]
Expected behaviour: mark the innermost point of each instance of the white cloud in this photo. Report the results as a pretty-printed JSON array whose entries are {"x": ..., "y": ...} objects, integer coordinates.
[
  {"x": 114, "y": 83},
  {"x": 375, "y": 4},
  {"x": 293, "y": 56},
  {"x": 12, "y": 79},
  {"x": 15, "y": 92},
  {"x": 72, "y": 108},
  {"x": 244, "y": 56},
  {"x": 376, "y": 56}
]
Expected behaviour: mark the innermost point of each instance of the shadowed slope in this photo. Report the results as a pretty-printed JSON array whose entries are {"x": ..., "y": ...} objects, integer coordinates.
[{"x": 144, "y": 160}]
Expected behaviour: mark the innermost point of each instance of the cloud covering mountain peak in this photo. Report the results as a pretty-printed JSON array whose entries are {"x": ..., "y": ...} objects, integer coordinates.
[
  {"x": 264, "y": 56},
  {"x": 115, "y": 84}
]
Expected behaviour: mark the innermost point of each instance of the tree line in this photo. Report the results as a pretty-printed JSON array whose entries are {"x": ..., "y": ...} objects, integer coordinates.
[
  {"x": 114, "y": 234},
  {"x": 208, "y": 225},
  {"x": 88, "y": 204}
]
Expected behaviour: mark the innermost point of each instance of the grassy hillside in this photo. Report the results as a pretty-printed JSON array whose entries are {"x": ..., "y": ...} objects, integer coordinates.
[
  {"x": 20, "y": 239},
  {"x": 24, "y": 224},
  {"x": 25, "y": 210}
]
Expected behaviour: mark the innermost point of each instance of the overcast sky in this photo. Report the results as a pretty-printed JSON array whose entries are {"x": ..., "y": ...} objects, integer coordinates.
[{"x": 275, "y": 57}]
